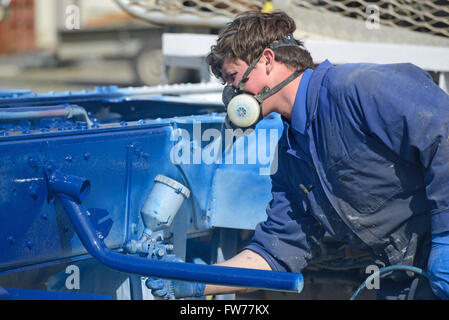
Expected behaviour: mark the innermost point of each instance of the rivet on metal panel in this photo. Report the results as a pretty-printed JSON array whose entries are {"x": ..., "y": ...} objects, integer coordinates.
[
  {"x": 30, "y": 244},
  {"x": 86, "y": 156},
  {"x": 123, "y": 123},
  {"x": 44, "y": 216},
  {"x": 68, "y": 159},
  {"x": 141, "y": 122}
]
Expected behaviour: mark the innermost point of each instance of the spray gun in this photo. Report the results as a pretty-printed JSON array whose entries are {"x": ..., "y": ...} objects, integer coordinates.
[{"x": 158, "y": 212}]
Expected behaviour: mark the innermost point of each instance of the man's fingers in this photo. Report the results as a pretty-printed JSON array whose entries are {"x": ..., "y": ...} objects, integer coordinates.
[
  {"x": 162, "y": 293},
  {"x": 154, "y": 284}
]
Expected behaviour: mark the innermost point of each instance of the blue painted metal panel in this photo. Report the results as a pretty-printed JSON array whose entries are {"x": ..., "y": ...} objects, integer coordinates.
[
  {"x": 119, "y": 163},
  {"x": 121, "y": 159},
  {"x": 241, "y": 192},
  {"x": 26, "y": 294}
]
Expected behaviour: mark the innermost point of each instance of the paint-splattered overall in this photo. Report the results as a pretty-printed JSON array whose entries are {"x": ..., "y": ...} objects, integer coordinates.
[{"x": 371, "y": 168}]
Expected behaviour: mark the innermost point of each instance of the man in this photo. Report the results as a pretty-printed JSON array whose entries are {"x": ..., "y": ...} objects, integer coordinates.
[{"x": 364, "y": 156}]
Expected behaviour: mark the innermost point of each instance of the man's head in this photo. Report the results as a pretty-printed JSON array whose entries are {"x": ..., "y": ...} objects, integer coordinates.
[
  {"x": 260, "y": 61},
  {"x": 249, "y": 34}
]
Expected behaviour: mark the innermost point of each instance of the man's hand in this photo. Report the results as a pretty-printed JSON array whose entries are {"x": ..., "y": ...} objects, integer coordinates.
[
  {"x": 167, "y": 289},
  {"x": 438, "y": 265}
]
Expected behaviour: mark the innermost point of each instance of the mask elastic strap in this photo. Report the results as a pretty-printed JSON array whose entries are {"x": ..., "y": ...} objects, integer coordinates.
[
  {"x": 248, "y": 70},
  {"x": 287, "y": 41},
  {"x": 267, "y": 92}
]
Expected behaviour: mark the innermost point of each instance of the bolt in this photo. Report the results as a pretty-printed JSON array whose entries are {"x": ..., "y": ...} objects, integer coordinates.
[
  {"x": 11, "y": 240},
  {"x": 44, "y": 216},
  {"x": 86, "y": 156},
  {"x": 141, "y": 122},
  {"x": 30, "y": 244},
  {"x": 68, "y": 159},
  {"x": 123, "y": 123},
  {"x": 160, "y": 252}
]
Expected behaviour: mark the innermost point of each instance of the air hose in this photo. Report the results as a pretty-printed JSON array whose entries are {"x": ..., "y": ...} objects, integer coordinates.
[{"x": 385, "y": 270}]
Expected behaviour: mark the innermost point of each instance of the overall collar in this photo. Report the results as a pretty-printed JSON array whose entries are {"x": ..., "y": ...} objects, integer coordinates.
[
  {"x": 305, "y": 105},
  {"x": 299, "y": 111}
]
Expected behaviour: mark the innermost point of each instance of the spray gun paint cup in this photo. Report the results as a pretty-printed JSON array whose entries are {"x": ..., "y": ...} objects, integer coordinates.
[{"x": 163, "y": 203}]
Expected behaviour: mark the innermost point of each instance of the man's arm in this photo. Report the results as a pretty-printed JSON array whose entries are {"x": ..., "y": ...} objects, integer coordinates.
[
  {"x": 245, "y": 259},
  {"x": 280, "y": 243},
  {"x": 167, "y": 289}
]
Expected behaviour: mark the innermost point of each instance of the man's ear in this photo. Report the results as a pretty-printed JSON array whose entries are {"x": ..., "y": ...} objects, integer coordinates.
[{"x": 268, "y": 60}]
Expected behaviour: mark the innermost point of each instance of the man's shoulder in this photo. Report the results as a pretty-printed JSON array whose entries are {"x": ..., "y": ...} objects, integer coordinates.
[{"x": 352, "y": 76}]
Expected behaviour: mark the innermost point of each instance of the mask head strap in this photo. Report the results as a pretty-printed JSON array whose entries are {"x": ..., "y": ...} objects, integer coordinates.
[
  {"x": 267, "y": 92},
  {"x": 287, "y": 41}
]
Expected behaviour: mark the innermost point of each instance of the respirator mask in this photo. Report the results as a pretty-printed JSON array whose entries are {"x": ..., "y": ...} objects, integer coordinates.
[{"x": 244, "y": 110}]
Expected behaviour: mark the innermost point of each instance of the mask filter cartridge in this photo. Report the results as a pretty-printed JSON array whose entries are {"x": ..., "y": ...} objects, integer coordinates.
[{"x": 244, "y": 110}]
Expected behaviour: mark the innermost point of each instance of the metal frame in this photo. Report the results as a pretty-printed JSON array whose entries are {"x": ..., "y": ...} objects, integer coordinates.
[{"x": 429, "y": 58}]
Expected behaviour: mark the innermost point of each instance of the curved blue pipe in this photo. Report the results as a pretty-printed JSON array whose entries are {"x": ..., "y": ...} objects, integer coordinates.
[
  {"x": 227, "y": 276},
  {"x": 74, "y": 187}
]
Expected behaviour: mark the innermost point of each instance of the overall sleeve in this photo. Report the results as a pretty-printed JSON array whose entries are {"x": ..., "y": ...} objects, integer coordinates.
[
  {"x": 438, "y": 265},
  {"x": 402, "y": 106},
  {"x": 283, "y": 240}
]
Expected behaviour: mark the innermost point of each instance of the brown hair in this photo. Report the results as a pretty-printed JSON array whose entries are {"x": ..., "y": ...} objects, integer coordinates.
[{"x": 250, "y": 33}]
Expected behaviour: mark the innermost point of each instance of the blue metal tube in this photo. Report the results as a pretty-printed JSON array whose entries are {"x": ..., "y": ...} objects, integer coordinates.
[
  {"x": 227, "y": 276},
  {"x": 240, "y": 277},
  {"x": 62, "y": 111}
]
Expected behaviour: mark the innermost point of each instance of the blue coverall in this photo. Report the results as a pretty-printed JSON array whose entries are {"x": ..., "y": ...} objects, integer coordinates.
[{"x": 365, "y": 158}]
